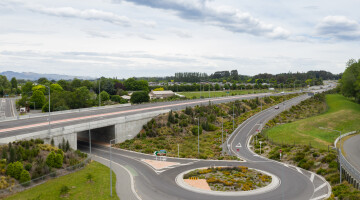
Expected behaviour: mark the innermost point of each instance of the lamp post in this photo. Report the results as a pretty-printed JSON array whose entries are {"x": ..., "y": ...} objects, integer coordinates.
[
  {"x": 199, "y": 136},
  {"x": 111, "y": 167},
  {"x": 339, "y": 149},
  {"x": 222, "y": 134}
]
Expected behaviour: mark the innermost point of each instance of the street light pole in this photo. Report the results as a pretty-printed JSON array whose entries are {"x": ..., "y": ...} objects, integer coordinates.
[
  {"x": 99, "y": 93},
  {"x": 233, "y": 118},
  {"x": 199, "y": 136},
  {"x": 260, "y": 146},
  {"x": 222, "y": 133},
  {"x": 111, "y": 168}
]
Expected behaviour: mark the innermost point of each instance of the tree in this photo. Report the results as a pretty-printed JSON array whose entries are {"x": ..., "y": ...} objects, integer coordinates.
[
  {"x": 13, "y": 83},
  {"x": 10, "y": 169},
  {"x": 24, "y": 176},
  {"x": 12, "y": 155},
  {"x": 350, "y": 81},
  {"x": 104, "y": 96},
  {"x": 39, "y": 88},
  {"x": 27, "y": 88},
  {"x": 217, "y": 86},
  {"x": 76, "y": 83},
  {"x": 39, "y": 98},
  {"x": 140, "y": 97},
  {"x": 67, "y": 147},
  {"x": 43, "y": 81},
  {"x": 116, "y": 98},
  {"x": 109, "y": 86},
  {"x": 55, "y": 88}
]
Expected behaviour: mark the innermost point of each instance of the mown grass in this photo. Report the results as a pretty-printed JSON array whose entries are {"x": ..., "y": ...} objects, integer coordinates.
[
  {"x": 342, "y": 115},
  {"x": 80, "y": 187}
]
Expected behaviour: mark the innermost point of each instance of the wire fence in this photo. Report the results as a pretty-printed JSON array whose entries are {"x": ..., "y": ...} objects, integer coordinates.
[{"x": 40, "y": 180}]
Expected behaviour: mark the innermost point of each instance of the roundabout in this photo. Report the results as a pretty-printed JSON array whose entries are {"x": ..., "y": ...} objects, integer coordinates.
[{"x": 270, "y": 181}]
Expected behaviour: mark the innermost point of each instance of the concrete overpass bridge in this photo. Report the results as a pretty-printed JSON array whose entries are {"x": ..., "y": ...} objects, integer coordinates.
[{"x": 105, "y": 123}]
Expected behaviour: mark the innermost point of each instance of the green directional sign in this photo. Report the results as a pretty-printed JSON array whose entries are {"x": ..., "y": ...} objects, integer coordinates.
[{"x": 160, "y": 153}]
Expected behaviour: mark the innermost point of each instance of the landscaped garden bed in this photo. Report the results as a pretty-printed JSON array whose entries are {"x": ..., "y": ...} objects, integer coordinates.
[{"x": 231, "y": 179}]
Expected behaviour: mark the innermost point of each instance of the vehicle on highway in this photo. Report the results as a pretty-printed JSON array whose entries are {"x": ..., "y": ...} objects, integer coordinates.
[{"x": 276, "y": 107}]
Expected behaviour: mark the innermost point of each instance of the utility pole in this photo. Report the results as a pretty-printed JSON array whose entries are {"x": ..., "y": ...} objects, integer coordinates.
[
  {"x": 200, "y": 89},
  {"x": 233, "y": 118},
  {"x": 49, "y": 119},
  {"x": 178, "y": 151},
  {"x": 222, "y": 134}
]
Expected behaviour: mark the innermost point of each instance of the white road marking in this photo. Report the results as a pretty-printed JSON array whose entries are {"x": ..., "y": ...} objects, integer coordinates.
[
  {"x": 238, "y": 145},
  {"x": 312, "y": 177},
  {"x": 299, "y": 170},
  {"x": 321, "y": 186},
  {"x": 319, "y": 197},
  {"x": 286, "y": 165}
]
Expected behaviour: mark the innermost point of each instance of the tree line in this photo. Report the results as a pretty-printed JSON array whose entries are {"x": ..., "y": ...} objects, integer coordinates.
[{"x": 350, "y": 80}]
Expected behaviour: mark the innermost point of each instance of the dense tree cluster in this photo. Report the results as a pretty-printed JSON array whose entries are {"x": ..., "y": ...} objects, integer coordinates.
[{"x": 350, "y": 80}]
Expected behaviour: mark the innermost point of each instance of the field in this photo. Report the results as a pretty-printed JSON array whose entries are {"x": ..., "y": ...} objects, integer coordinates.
[
  {"x": 78, "y": 184},
  {"x": 342, "y": 115}
]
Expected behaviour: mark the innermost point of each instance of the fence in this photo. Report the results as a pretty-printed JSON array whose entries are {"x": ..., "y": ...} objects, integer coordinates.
[
  {"x": 40, "y": 180},
  {"x": 351, "y": 174}
]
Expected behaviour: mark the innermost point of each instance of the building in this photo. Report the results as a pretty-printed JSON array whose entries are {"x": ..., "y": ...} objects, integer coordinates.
[{"x": 161, "y": 94}]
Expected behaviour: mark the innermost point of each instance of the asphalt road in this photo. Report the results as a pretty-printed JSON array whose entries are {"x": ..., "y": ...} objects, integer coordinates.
[
  {"x": 7, "y": 108},
  {"x": 23, "y": 126},
  {"x": 352, "y": 149},
  {"x": 296, "y": 184}
]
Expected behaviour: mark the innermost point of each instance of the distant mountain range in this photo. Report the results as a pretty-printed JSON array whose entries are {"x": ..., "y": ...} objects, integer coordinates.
[{"x": 35, "y": 76}]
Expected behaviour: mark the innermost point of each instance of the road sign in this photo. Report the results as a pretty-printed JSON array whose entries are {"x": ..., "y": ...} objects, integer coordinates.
[
  {"x": 237, "y": 149},
  {"x": 280, "y": 150},
  {"x": 160, "y": 153}
]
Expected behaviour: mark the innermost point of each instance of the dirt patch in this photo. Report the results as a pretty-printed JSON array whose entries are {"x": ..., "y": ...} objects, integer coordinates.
[
  {"x": 200, "y": 184},
  {"x": 159, "y": 164}
]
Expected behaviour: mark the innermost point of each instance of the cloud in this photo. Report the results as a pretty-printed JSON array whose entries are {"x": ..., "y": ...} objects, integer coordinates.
[
  {"x": 226, "y": 17},
  {"x": 181, "y": 33},
  {"x": 339, "y": 27},
  {"x": 89, "y": 14}
]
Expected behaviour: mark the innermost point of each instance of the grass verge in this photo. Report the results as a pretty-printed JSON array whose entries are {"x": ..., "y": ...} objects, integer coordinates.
[
  {"x": 342, "y": 114},
  {"x": 78, "y": 186}
]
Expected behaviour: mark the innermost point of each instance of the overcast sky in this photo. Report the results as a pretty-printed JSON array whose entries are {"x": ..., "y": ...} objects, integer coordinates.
[{"x": 126, "y": 38}]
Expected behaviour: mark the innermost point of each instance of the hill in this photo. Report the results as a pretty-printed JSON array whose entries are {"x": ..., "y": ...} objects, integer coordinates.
[{"x": 35, "y": 76}]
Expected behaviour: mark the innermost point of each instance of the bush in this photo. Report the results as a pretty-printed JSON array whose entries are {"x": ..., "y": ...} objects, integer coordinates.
[
  {"x": 64, "y": 190},
  {"x": 58, "y": 161},
  {"x": 28, "y": 166},
  {"x": 18, "y": 168},
  {"x": 25, "y": 177},
  {"x": 50, "y": 159},
  {"x": 139, "y": 97},
  {"x": 196, "y": 129},
  {"x": 10, "y": 169},
  {"x": 321, "y": 171}
]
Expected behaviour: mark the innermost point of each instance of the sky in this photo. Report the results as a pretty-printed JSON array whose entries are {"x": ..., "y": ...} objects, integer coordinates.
[{"x": 135, "y": 38}]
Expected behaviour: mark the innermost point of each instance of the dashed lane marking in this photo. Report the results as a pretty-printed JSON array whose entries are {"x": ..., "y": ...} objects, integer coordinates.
[
  {"x": 312, "y": 177},
  {"x": 321, "y": 186},
  {"x": 299, "y": 170},
  {"x": 319, "y": 197}
]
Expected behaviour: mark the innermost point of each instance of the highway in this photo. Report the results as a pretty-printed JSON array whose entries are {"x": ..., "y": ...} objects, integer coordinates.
[
  {"x": 7, "y": 108},
  {"x": 22, "y": 126},
  {"x": 351, "y": 150},
  {"x": 295, "y": 183}
]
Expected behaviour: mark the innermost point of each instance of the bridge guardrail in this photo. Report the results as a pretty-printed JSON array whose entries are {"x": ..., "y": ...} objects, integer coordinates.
[
  {"x": 349, "y": 168},
  {"x": 63, "y": 112}
]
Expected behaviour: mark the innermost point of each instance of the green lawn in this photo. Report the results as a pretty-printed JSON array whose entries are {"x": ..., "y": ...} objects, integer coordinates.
[
  {"x": 79, "y": 186},
  {"x": 342, "y": 115}
]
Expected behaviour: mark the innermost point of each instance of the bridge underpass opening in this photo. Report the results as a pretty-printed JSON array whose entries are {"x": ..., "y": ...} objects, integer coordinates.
[{"x": 99, "y": 136}]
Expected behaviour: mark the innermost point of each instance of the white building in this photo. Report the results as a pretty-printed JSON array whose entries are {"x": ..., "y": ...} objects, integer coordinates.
[{"x": 161, "y": 94}]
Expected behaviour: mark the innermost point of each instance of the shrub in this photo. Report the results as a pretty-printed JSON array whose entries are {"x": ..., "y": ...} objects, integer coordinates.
[
  {"x": 50, "y": 159},
  {"x": 196, "y": 129},
  {"x": 18, "y": 168},
  {"x": 333, "y": 164},
  {"x": 89, "y": 177},
  {"x": 25, "y": 177},
  {"x": 321, "y": 171},
  {"x": 58, "y": 160},
  {"x": 10, "y": 169},
  {"x": 28, "y": 166},
  {"x": 64, "y": 190}
]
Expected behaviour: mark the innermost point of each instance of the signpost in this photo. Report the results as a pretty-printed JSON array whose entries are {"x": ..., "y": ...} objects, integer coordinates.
[
  {"x": 280, "y": 153},
  {"x": 161, "y": 154}
]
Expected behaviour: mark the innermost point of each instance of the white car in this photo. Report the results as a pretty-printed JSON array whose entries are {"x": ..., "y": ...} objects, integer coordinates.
[{"x": 276, "y": 107}]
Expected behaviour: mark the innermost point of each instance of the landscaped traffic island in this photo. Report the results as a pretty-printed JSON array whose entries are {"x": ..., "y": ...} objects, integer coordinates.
[{"x": 230, "y": 179}]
